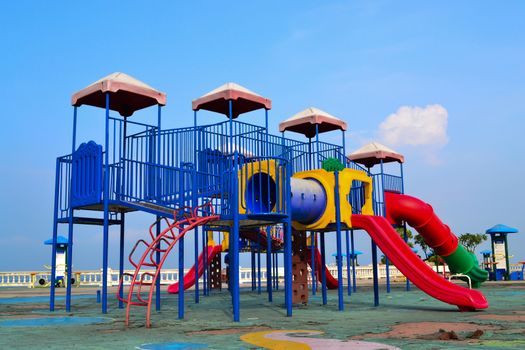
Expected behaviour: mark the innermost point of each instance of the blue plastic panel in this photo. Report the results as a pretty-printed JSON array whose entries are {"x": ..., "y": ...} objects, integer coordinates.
[{"x": 86, "y": 177}]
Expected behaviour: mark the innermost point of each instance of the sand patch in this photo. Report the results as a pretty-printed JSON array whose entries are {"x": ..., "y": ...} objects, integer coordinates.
[
  {"x": 431, "y": 330},
  {"x": 518, "y": 317}
]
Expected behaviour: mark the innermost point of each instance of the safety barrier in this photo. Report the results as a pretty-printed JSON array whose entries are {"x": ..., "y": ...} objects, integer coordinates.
[{"x": 170, "y": 276}]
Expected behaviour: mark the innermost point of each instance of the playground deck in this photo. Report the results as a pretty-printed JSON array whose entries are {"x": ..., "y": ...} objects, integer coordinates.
[{"x": 404, "y": 320}]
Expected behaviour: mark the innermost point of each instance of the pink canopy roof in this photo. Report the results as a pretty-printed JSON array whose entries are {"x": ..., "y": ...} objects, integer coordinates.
[
  {"x": 127, "y": 94},
  {"x": 243, "y": 99},
  {"x": 372, "y": 154},
  {"x": 305, "y": 121}
]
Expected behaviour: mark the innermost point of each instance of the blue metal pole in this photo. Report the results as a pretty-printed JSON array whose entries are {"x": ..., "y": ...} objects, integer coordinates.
[
  {"x": 387, "y": 274},
  {"x": 349, "y": 280},
  {"x": 277, "y": 270},
  {"x": 258, "y": 263},
  {"x": 354, "y": 284},
  {"x": 405, "y": 236},
  {"x": 157, "y": 258},
  {"x": 121, "y": 259},
  {"x": 55, "y": 233},
  {"x": 205, "y": 266},
  {"x": 384, "y": 214},
  {"x": 323, "y": 269},
  {"x": 269, "y": 264},
  {"x": 274, "y": 272},
  {"x": 69, "y": 257},
  {"x": 159, "y": 196},
  {"x": 181, "y": 250},
  {"x": 317, "y": 145},
  {"x": 288, "y": 247},
  {"x": 375, "y": 273},
  {"x": 234, "y": 248},
  {"x": 253, "y": 268},
  {"x": 338, "y": 240},
  {"x": 313, "y": 241},
  {"x": 344, "y": 150},
  {"x": 194, "y": 204},
  {"x": 106, "y": 215}
]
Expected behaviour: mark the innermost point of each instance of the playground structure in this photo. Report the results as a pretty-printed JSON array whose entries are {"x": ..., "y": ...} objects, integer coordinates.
[{"x": 234, "y": 177}]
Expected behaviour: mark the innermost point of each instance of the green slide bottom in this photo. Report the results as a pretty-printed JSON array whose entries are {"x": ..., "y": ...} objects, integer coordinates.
[{"x": 464, "y": 262}]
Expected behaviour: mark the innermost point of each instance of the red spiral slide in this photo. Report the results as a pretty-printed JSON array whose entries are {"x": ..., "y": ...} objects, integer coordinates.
[{"x": 417, "y": 271}]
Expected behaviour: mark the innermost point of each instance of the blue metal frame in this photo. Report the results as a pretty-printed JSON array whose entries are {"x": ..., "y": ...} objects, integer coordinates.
[{"x": 149, "y": 165}]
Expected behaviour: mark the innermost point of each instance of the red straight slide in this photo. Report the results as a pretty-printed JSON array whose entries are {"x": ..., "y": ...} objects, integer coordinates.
[
  {"x": 331, "y": 282},
  {"x": 417, "y": 271},
  {"x": 189, "y": 279}
]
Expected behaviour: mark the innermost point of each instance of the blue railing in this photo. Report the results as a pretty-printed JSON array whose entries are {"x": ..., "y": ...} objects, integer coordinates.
[{"x": 63, "y": 186}]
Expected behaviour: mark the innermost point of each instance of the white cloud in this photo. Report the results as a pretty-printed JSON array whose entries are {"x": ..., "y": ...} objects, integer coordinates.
[{"x": 416, "y": 126}]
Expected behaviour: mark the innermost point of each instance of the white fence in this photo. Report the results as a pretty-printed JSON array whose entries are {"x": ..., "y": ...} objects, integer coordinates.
[{"x": 169, "y": 276}]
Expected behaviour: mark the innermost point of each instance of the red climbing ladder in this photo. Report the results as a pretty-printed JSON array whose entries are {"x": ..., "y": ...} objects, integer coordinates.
[{"x": 185, "y": 219}]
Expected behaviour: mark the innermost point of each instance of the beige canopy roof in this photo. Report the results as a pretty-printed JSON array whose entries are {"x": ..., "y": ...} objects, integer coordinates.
[
  {"x": 243, "y": 99},
  {"x": 372, "y": 153},
  {"x": 305, "y": 121},
  {"x": 127, "y": 94}
]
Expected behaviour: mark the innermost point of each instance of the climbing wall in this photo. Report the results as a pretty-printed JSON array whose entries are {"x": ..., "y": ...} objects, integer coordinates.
[
  {"x": 215, "y": 273},
  {"x": 299, "y": 269}
]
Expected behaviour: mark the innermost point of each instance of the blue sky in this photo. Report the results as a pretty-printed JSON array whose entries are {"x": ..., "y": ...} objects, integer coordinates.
[{"x": 361, "y": 61}]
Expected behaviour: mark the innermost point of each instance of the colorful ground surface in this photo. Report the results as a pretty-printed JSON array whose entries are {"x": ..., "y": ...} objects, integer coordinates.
[{"x": 404, "y": 320}]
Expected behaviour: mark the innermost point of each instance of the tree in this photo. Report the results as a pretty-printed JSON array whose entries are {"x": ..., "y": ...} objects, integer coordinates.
[
  {"x": 410, "y": 236},
  {"x": 420, "y": 241},
  {"x": 471, "y": 240}
]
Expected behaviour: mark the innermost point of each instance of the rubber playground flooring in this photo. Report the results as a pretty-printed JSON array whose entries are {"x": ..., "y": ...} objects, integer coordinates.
[{"x": 404, "y": 320}]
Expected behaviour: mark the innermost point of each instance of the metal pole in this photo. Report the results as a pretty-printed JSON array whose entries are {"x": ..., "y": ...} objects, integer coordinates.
[
  {"x": 375, "y": 273},
  {"x": 54, "y": 246},
  {"x": 317, "y": 145},
  {"x": 194, "y": 204},
  {"x": 384, "y": 214},
  {"x": 122, "y": 217},
  {"x": 344, "y": 150},
  {"x": 181, "y": 250},
  {"x": 258, "y": 262},
  {"x": 288, "y": 245},
  {"x": 206, "y": 263},
  {"x": 69, "y": 257},
  {"x": 338, "y": 239},
  {"x": 106, "y": 215},
  {"x": 159, "y": 196},
  {"x": 234, "y": 248},
  {"x": 387, "y": 274},
  {"x": 349, "y": 281},
  {"x": 354, "y": 284},
  {"x": 157, "y": 258},
  {"x": 253, "y": 268},
  {"x": 323, "y": 269},
  {"x": 313, "y": 241},
  {"x": 121, "y": 259},
  {"x": 269, "y": 264}
]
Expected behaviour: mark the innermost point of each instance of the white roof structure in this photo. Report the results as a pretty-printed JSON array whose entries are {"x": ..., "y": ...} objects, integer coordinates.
[
  {"x": 305, "y": 122},
  {"x": 243, "y": 100},
  {"x": 127, "y": 94},
  {"x": 375, "y": 152},
  {"x": 230, "y": 86}
]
